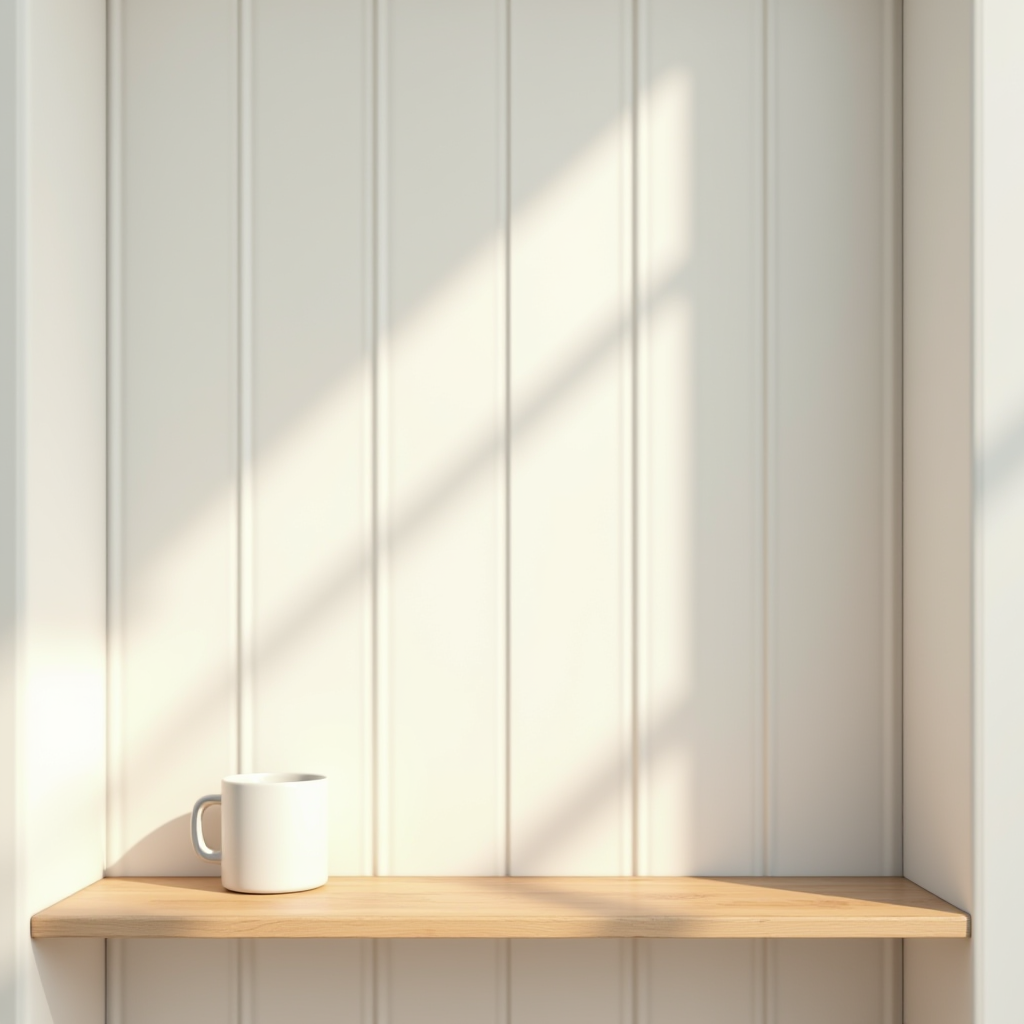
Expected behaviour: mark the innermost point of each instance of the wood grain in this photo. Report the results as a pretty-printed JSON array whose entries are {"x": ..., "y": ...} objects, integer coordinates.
[{"x": 509, "y": 908}]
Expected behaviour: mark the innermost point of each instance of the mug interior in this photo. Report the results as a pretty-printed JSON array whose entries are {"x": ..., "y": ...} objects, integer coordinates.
[{"x": 272, "y": 778}]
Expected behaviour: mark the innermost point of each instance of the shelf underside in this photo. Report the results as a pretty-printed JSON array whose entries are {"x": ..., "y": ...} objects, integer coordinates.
[{"x": 509, "y": 908}]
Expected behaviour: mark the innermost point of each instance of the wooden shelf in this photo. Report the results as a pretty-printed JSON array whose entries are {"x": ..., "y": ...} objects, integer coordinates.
[{"x": 509, "y": 908}]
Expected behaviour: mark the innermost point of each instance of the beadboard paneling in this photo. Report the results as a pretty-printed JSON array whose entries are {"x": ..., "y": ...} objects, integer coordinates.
[
  {"x": 503, "y": 422},
  {"x": 174, "y": 489},
  {"x": 700, "y": 498},
  {"x": 440, "y": 455},
  {"x": 177, "y": 428},
  {"x": 833, "y": 500},
  {"x": 570, "y": 555},
  {"x": 306, "y": 581},
  {"x": 831, "y": 349},
  {"x": 306, "y": 535},
  {"x": 571, "y": 410}
]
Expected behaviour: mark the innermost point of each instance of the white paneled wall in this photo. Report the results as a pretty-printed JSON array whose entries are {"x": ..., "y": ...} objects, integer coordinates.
[{"x": 504, "y": 422}]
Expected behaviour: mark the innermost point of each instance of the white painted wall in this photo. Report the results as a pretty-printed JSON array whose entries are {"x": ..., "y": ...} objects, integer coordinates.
[
  {"x": 937, "y": 767},
  {"x": 9, "y": 152},
  {"x": 505, "y": 420},
  {"x": 52, "y": 497},
  {"x": 999, "y": 493}
]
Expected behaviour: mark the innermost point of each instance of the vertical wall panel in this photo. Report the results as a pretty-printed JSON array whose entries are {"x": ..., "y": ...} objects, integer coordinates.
[
  {"x": 688, "y": 981},
  {"x": 175, "y": 736},
  {"x": 832, "y": 229},
  {"x": 308, "y": 548},
  {"x": 174, "y": 980},
  {"x": 558, "y": 980},
  {"x": 939, "y": 442},
  {"x": 829, "y": 356},
  {"x": 441, "y": 438},
  {"x": 570, "y": 539},
  {"x": 571, "y": 482},
  {"x": 461, "y": 981},
  {"x": 700, "y": 480},
  {"x": 700, "y": 501},
  {"x": 315, "y": 981},
  {"x": 841, "y": 981},
  {"x": 310, "y": 405},
  {"x": 441, "y": 413},
  {"x": 178, "y": 373}
]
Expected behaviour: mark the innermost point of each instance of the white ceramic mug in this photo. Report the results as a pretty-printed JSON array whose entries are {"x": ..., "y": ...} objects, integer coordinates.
[{"x": 273, "y": 832}]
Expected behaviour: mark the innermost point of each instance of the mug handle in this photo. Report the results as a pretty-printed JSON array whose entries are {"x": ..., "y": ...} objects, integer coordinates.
[{"x": 198, "y": 841}]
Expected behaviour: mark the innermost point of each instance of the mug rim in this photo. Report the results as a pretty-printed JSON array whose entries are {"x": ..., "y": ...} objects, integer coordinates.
[{"x": 272, "y": 778}]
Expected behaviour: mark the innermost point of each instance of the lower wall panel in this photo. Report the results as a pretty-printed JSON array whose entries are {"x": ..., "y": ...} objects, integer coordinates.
[
  {"x": 692, "y": 981},
  {"x": 167, "y": 981},
  {"x": 312, "y": 981},
  {"x": 571, "y": 981},
  {"x": 841, "y": 981},
  {"x": 524, "y": 981},
  {"x": 935, "y": 973},
  {"x": 442, "y": 981}
]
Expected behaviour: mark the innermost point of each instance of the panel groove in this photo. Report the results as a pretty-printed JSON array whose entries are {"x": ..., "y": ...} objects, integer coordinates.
[
  {"x": 641, "y": 754},
  {"x": 242, "y": 954},
  {"x": 892, "y": 487},
  {"x": 761, "y": 981},
  {"x": 504, "y": 1000},
  {"x": 770, "y": 456},
  {"x": 766, "y": 965},
  {"x": 369, "y": 1014},
  {"x": 246, "y": 969},
  {"x": 245, "y": 580},
  {"x": 634, "y": 427},
  {"x": 382, "y": 865},
  {"x": 382, "y": 968},
  {"x": 764, "y": 979},
  {"x": 630, "y": 495},
  {"x": 506, "y": 334},
  {"x": 892, "y": 439},
  {"x": 373, "y": 284},
  {"x": 115, "y": 432},
  {"x": 371, "y": 759},
  {"x": 760, "y": 58},
  {"x": 114, "y": 948}
]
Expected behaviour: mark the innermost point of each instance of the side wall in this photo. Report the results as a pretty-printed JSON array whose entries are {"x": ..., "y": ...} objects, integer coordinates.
[
  {"x": 9, "y": 124},
  {"x": 964, "y": 498},
  {"x": 52, "y": 500},
  {"x": 505, "y": 421},
  {"x": 999, "y": 495},
  {"x": 938, "y": 515}
]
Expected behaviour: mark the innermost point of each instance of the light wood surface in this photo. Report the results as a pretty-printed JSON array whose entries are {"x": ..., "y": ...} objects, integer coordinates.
[{"x": 509, "y": 908}]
